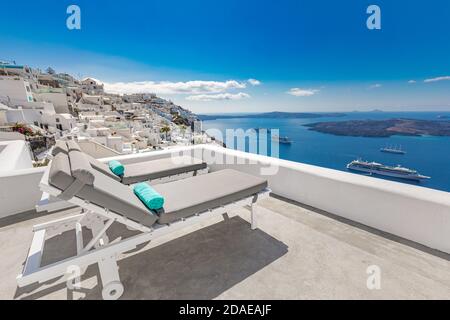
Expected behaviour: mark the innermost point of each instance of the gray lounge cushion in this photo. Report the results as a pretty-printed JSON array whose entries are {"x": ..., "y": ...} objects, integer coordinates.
[
  {"x": 104, "y": 192},
  {"x": 102, "y": 167},
  {"x": 80, "y": 167},
  {"x": 60, "y": 175},
  {"x": 160, "y": 168},
  {"x": 186, "y": 197},
  {"x": 60, "y": 146},
  {"x": 97, "y": 165},
  {"x": 145, "y": 171},
  {"x": 118, "y": 198}
]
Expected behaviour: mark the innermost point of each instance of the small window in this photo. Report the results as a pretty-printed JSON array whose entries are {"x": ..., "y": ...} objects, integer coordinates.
[{"x": 57, "y": 119}]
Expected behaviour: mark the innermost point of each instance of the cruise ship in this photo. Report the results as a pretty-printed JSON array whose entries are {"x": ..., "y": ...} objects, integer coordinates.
[
  {"x": 282, "y": 140},
  {"x": 383, "y": 170},
  {"x": 393, "y": 150}
]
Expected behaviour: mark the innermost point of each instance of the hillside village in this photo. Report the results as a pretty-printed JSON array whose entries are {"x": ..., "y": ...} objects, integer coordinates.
[{"x": 43, "y": 106}]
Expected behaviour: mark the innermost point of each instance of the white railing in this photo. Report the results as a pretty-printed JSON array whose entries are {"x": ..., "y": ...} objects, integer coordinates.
[{"x": 415, "y": 213}]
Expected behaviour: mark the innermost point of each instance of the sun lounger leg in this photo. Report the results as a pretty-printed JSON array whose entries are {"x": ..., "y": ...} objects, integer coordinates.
[
  {"x": 253, "y": 216},
  {"x": 253, "y": 211},
  {"x": 109, "y": 274},
  {"x": 98, "y": 229}
]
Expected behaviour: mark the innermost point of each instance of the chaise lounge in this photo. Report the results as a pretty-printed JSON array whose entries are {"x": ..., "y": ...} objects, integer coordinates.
[
  {"x": 105, "y": 201},
  {"x": 154, "y": 170}
]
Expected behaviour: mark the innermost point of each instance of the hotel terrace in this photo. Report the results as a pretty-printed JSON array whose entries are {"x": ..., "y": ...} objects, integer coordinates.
[{"x": 319, "y": 234}]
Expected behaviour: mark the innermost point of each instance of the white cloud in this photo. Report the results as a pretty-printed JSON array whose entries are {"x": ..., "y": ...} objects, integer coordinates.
[
  {"x": 167, "y": 87},
  {"x": 437, "y": 79},
  {"x": 412, "y": 81},
  {"x": 376, "y": 85},
  {"x": 254, "y": 82},
  {"x": 217, "y": 97},
  {"x": 298, "y": 92}
]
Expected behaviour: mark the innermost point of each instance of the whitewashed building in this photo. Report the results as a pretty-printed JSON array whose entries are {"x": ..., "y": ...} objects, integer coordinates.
[
  {"x": 92, "y": 86},
  {"x": 14, "y": 88}
]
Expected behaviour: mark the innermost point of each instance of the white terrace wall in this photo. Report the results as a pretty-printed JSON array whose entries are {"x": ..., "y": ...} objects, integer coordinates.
[
  {"x": 415, "y": 213},
  {"x": 19, "y": 181},
  {"x": 96, "y": 149},
  {"x": 15, "y": 155},
  {"x": 19, "y": 191}
]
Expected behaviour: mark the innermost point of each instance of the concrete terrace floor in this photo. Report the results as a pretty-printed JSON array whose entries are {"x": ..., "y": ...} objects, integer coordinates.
[{"x": 298, "y": 253}]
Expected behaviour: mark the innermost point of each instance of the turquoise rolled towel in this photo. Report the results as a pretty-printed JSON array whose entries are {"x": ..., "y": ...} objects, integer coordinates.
[
  {"x": 152, "y": 199},
  {"x": 116, "y": 167}
]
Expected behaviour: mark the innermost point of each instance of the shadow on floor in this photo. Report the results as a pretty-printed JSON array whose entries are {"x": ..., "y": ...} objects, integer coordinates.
[
  {"x": 28, "y": 215},
  {"x": 200, "y": 265},
  {"x": 366, "y": 228}
]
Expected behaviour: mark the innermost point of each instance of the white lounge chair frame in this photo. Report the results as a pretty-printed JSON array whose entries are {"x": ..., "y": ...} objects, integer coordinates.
[{"x": 100, "y": 250}]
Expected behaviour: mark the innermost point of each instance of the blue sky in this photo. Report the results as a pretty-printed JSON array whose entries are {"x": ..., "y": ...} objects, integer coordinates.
[{"x": 307, "y": 55}]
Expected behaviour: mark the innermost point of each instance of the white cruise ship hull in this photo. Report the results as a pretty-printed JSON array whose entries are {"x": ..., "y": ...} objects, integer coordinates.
[
  {"x": 393, "y": 151},
  {"x": 388, "y": 174}
]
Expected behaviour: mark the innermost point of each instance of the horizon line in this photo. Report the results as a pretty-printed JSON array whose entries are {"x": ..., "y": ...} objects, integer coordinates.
[{"x": 352, "y": 111}]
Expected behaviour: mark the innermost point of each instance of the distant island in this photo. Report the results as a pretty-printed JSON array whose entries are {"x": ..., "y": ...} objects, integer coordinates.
[
  {"x": 383, "y": 128},
  {"x": 275, "y": 114}
]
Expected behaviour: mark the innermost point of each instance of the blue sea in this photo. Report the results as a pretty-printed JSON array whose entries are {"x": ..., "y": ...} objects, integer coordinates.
[{"x": 427, "y": 154}]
